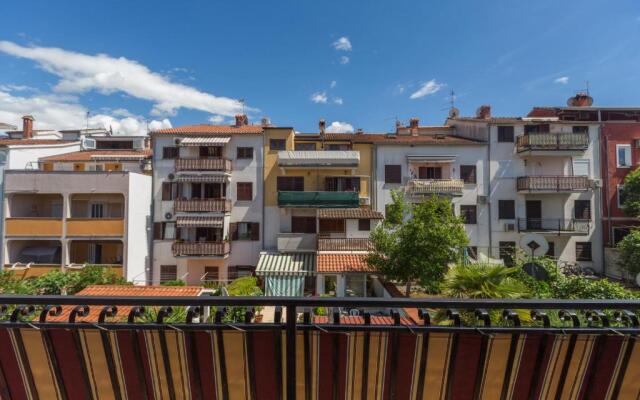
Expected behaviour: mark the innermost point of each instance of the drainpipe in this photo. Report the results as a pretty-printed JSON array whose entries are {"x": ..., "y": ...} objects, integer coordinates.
[
  {"x": 604, "y": 141},
  {"x": 488, "y": 181}
]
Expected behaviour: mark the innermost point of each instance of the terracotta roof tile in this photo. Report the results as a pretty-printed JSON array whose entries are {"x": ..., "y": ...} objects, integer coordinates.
[
  {"x": 124, "y": 291},
  {"x": 349, "y": 213},
  {"x": 345, "y": 262},
  {"x": 101, "y": 155},
  {"x": 542, "y": 112},
  {"x": 33, "y": 142},
  {"x": 207, "y": 129}
]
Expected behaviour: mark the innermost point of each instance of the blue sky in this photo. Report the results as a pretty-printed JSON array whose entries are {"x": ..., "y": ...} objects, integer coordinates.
[{"x": 359, "y": 64}]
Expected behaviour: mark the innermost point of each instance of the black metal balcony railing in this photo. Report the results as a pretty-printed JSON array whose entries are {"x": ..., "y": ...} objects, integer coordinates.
[
  {"x": 581, "y": 226},
  {"x": 553, "y": 141},
  {"x": 553, "y": 183},
  {"x": 195, "y": 356}
]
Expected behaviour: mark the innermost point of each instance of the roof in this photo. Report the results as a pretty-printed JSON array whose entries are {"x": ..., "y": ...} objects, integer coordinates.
[
  {"x": 34, "y": 142},
  {"x": 124, "y": 291},
  {"x": 94, "y": 155},
  {"x": 495, "y": 120},
  {"x": 424, "y": 139},
  {"x": 343, "y": 263},
  {"x": 349, "y": 213},
  {"x": 6, "y": 127},
  {"x": 208, "y": 129},
  {"x": 286, "y": 264}
]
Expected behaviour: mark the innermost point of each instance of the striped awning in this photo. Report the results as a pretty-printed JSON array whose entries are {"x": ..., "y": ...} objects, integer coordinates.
[
  {"x": 199, "y": 222},
  {"x": 284, "y": 286},
  {"x": 205, "y": 141},
  {"x": 202, "y": 178},
  {"x": 286, "y": 264}
]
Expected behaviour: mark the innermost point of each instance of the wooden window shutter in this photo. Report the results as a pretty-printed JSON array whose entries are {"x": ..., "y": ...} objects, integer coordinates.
[
  {"x": 166, "y": 191},
  {"x": 393, "y": 174},
  {"x": 157, "y": 230},
  {"x": 233, "y": 231},
  {"x": 255, "y": 231}
]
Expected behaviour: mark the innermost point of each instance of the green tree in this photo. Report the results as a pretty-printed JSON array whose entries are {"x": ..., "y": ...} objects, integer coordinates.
[
  {"x": 630, "y": 252},
  {"x": 631, "y": 202},
  {"x": 418, "y": 242}
]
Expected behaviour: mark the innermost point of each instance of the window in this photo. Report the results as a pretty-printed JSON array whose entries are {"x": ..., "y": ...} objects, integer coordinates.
[
  {"x": 619, "y": 233},
  {"x": 210, "y": 151},
  {"x": 290, "y": 184},
  {"x": 542, "y": 128},
  {"x": 244, "y": 191},
  {"x": 505, "y": 134},
  {"x": 506, "y": 209},
  {"x": 169, "y": 152},
  {"x": 342, "y": 184},
  {"x": 580, "y": 129},
  {"x": 583, "y": 251},
  {"x": 303, "y": 224},
  {"x": 430, "y": 172},
  {"x": 244, "y": 153},
  {"x": 332, "y": 226},
  {"x": 171, "y": 190},
  {"x": 468, "y": 214},
  {"x": 507, "y": 252},
  {"x": 364, "y": 224},
  {"x": 623, "y": 152},
  {"x": 620, "y": 196},
  {"x": 468, "y": 173},
  {"x": 244, "y": 230},
  {"x": 338, "y": 146},
  {"x": 551, "y": 252},
  {"x": 211, "y": 274},
  {"x": 277, "y": 144},
  {"x": 304, "y": 146},
  {"x": 582, "y": 209},
  {"x": 97, "y": 210},
  {"x": 168, "y": 273},
  {"x": 392, "y": 174}
]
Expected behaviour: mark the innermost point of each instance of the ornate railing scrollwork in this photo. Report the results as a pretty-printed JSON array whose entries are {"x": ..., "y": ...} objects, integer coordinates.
[
  {"x": 136, "y": 312},
  {"x": 541, "y": 316},
  {"x": 49, "y": 311},
  {"x": 163, "y": 313},
  {"x": 78, "y": 311},
  {"x": 193, "y": 312},
  {"x": 21, "y": 311},
  {"x": 511, "y": 316},
  {"x": 595, "y": 316},
  {"x": 569, "y": 316},
  {"x": 482, "y": 315},
  {"x": 627, "y": 317},
  {"x": 454, "y": 316},
  {"x": 107, "y": 312}
]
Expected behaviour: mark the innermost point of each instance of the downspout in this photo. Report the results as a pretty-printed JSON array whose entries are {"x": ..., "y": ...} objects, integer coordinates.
[
  {"x": 605, "y": 187},
  {"x": 488, "y": 181},
  {"x": 373, "y": 183},
  {"x": 148, "y": 276}
]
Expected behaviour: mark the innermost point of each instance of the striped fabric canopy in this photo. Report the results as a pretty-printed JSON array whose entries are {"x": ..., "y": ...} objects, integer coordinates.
[
  {"x": 199, "y": 222},
  {"x": 202, "y": 178},
  {"x": 205, "y": 141},
  {"x": 288, "y": 264},
  {"x": 284, "y": 286}
]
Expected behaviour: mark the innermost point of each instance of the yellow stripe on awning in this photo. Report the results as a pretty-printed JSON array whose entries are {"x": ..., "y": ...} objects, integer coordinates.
[{"x": 205, "y": 141}]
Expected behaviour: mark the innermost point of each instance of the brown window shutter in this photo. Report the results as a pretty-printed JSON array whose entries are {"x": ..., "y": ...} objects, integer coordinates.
[
  {"x": 157, "y": 230},
  {"x": 393, "y": 174},
  {"x": 233, "y": 231},
  {"x": 255, "y": 231},
  {"x": 166, "y": 191}
]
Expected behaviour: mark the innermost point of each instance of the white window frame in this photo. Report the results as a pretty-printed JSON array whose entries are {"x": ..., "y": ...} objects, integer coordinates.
[
  {"x": 618, "y": 188},
  {"x": 625, "y": 146}
]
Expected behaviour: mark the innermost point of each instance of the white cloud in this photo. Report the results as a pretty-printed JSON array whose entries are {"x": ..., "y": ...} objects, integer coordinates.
[
  {"x": 319, "y": 97},
  {"x": 64, "y": 112},
  {"x": 338, "y": 101},
  {"x": 563, "y": 80},
  {"x": 216, "y": 119},
  {"x": 16, "y": 88},
  {"x": 333, "y": 84},
  {"x": 344, "y": 60},
  {"x": 426, "y": 89},
  {"x": 342, "y": 44},
  {"x": 339, "y": 127},
  {"x": 80, "y": 73}
]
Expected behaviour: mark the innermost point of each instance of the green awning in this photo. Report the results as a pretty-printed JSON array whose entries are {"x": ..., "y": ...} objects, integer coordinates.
[
  {"x": 286, "y": 264},
  {"x": 319, "y": 199},
  {"x": 292, "y": 286}
]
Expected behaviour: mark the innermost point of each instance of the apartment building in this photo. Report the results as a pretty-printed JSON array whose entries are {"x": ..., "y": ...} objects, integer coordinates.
[
  {"x": 207, "y": 196},
  {"x": 543, "y": 183},
  {"x": 78, "y": 208}
]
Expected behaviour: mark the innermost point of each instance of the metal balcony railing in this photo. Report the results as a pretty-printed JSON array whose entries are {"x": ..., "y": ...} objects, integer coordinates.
[
  {"x": 202, "y": 205},
  {"x": 344, "y": 244},
  {"x": 318, "y": 199},
  {"x": 553, "y": 141},
  {"x": 553, "y": 183},
  {"x": 435, "y": 186},
  {"x": 200, "y": 249},
  {"x": 595, "y": 334},
  {"x": 203, "y": 164},
  {"x": 579, "y": 226}
]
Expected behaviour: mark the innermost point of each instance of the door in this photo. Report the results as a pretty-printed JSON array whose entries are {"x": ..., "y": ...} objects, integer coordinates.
[
  {"x": 97, "y": 210},
  {"x": 95, "y": 253},
  {"x": 534, "y": 214},
  {"x": 430, "y": 173}
]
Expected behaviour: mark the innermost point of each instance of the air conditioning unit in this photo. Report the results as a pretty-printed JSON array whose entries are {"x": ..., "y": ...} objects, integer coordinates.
[
  {"x": 364, "y": 201},
  {"x": 509, "y": 227}
]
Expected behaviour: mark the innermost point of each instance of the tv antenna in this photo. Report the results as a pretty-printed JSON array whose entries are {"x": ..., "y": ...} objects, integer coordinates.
[
  {"x": 242, "y": 102},
  {"x": 86, "y": 119}
]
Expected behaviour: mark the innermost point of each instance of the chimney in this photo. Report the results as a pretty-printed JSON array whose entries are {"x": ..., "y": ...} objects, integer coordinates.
[
  {"x": 581, "y": 99},
  {"x": 413, "y": 123},
  {"x": 483, "y": 112},
  {"x": 321, "y": 125},
  {"x": 359, "y": 131},
  {"x": 27, "y": 126},
  {"x": 241, "y": 120},
  {"x": 265, "y": 122}
]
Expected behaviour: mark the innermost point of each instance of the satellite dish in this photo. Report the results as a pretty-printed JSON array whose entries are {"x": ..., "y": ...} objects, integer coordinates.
[{"x": 534, "y": 245}]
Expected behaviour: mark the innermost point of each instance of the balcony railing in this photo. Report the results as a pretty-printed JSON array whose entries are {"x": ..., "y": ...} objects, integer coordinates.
[
  {"x": 482, "y": 341},
  {"x": 185, "y": 249},
  {"x": 203, "y": 164},
  {"x": 451, "y": 187},
  {"x": 578, "y": 226},
  {"x": 344, "y": 244},
  {"x": 319, "y": 199},
  {"x": 297, "y": 242},
  {"x": 553, "y": 183},
  {"x": 553, "y": 141},
  {"x": 202, "y": 205}
]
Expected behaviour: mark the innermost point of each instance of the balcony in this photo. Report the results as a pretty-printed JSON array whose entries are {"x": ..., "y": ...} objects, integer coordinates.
[
  {"x": 291, "y": 242},
  {"x": 553, "y": 184},
  {"x": 203, "y": 164},
  {"x": 318, "y": 199},
  {"x": 318, "y": 159},
  {"x": 553, "y": 143},
  {"x": 202, "y": 205},
  {"x": 344, "y": 244},
  {"x": 449, "y": 187},
  {"x": 39, "y": 226},
  {"x": 555, "y": 226},
  {"x": 95, "y": 227},
  {"x": 200, "y": 249}
]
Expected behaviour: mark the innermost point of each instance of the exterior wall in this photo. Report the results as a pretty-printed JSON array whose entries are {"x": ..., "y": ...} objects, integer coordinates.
[{"x": 138, "y": 227}]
